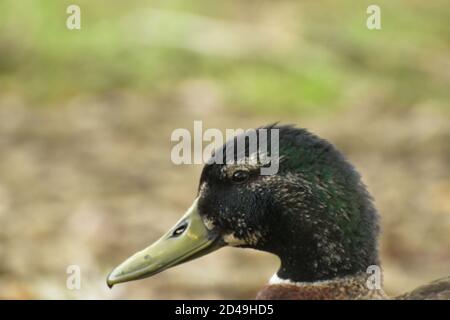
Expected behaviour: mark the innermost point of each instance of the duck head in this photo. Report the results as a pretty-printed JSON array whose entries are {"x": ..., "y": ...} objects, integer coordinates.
[{"x": 314, "y": 214}]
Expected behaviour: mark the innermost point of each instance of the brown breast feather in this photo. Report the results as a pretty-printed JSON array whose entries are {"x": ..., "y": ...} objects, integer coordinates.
[
  {"x": 350, "y": 289},
  {"x": 338, "y": 289}
]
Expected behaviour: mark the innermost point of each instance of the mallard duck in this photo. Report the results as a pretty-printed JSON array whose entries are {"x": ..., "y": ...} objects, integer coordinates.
[{"x": 315, "y": 214}]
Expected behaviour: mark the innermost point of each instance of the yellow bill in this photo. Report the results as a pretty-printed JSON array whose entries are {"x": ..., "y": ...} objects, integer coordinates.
[{"x": 187, "y": 240}]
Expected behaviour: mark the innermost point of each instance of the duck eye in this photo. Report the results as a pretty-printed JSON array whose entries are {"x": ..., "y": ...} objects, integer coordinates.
[
  {"x": 240, "y": 176},
  {"x": 179, "y": 230}
]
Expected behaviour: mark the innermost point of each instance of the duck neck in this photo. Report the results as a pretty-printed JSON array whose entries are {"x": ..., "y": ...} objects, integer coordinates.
[
  {"x": 309, "y": 266},
  {"x": 315, "y": 260},
  {"x": 325, "y": 250}
]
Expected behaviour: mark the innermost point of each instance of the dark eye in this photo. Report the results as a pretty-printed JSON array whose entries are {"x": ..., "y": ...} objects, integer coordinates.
[
  {"x": 240, "y": 176},
  {"x": 179, "y": 230}
]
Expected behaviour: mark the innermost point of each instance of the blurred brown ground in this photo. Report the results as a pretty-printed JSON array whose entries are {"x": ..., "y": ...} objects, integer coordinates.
[{"x": 89, "y": 186}]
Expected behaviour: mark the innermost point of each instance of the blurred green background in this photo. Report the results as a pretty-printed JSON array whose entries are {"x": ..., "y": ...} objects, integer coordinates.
[{"x": 86, "y": 117}]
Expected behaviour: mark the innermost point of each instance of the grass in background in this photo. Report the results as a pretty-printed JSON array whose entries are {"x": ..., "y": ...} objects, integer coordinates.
[{"x": 264, "y": 58}]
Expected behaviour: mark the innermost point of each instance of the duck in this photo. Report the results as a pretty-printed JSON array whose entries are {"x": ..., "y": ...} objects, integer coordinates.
[{"x": 314, "y": 213}]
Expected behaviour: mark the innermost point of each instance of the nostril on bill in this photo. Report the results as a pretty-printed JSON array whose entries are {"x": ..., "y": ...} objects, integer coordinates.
[{"x": 179, "y": 230}]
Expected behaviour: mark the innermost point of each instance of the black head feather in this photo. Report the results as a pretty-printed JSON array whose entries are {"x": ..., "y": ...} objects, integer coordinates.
[{"x": 314, "y": 213}]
